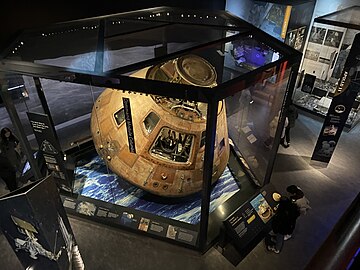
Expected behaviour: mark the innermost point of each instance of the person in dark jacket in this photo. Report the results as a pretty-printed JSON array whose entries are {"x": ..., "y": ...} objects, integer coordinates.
[
  {"x": 283, "y": 223},
  {"x": 292, "y": 115},
  {"x": 298, "y": 197},
  {"x": 10, "y": 148},
  {"x": 7, "y": 172}
]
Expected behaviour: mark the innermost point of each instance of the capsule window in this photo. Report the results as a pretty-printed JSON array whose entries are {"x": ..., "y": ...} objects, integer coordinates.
[
  {"x": 151, "y": 121},
  {"x": 119, "y": 116}
]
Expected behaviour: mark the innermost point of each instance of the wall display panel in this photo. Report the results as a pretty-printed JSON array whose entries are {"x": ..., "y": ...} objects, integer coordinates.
[
  {"x": 296, "y": 38},
  {"x": 330, "y": 42}
]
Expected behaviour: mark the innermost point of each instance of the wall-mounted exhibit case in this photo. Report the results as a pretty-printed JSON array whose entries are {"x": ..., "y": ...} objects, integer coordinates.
[
  {"x": 167, "y": 120},
  {"x": 329, "y": 44},
  {"x": 288, "y": 21}
]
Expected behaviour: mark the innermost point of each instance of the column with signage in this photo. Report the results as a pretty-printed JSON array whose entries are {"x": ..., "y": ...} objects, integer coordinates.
[{"x": 346, "y": 92}]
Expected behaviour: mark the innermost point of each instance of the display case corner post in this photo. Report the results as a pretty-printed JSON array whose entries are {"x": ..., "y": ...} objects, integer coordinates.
[
  {"x": 20, "y": 132},
  {"x": 207, "y": 170},
  {"x": 42, "y": 98}
]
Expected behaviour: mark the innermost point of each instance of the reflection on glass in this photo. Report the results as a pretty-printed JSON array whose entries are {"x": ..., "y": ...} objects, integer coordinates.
[
  {"x": 172, "y": 145},
  {"x": 253, "y": 117},
  {"x": 244, "y": 55},
  {"x": 150, "y": 121},
  {"x": 119, "y": 116}
]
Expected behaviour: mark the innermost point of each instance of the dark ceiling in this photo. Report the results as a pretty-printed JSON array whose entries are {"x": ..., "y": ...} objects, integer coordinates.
[{"x": 16, "y": 16}]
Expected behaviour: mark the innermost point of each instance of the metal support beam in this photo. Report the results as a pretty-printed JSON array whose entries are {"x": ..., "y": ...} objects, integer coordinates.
[
  {"x": 99, "y": 61},
  {"x": 207, "y": 170},
  {"x": 342, "y": 243},
  {"x": 43, "y": 101}
]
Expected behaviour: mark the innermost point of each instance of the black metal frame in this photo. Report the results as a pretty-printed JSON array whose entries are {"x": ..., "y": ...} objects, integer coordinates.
[
  {"x": 115, "y": 79},
  {"x": 322, "y": 19}
]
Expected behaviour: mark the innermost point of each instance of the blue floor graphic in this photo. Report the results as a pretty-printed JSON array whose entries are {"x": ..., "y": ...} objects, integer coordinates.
[{"x": 95, "y": 181}]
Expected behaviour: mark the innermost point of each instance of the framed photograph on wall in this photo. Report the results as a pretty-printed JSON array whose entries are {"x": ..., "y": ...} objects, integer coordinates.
[
  {"x": 333, "y": 38},
  {"x": 317, "y": 35}
]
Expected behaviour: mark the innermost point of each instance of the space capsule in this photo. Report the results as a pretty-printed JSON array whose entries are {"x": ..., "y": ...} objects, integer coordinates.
[{"x": 169, "y": 133}]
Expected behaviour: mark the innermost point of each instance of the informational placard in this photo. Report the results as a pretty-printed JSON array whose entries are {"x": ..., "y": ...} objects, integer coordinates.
[
  {"x": 36, "y": 226},
  {"x": 132, "y": 219},
  {"x": 340, "y": 107},
  {"x": 252, "y": 219},
  {"x": 129, "y": 125},
  {"x": 50, "y": 147}
]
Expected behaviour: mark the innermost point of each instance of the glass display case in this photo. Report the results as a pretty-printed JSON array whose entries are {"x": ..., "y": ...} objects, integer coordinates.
[
  {"x": 287, "y": 21},
  {"x": 163, "y": 121},
  {"x": 329, "y": 44}
]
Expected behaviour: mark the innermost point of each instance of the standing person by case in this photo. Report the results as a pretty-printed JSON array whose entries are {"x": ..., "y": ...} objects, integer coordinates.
[
  {"x": 10, "y": 148},
  {"x": 292, "y": 115},
  {"x": 272, "y": 131},
  {"x": 283, "y": 133},
  {"x": 7, "y": 172},
  {"x": 283, "y": 223},
  {"x": 298, "y": 197}
]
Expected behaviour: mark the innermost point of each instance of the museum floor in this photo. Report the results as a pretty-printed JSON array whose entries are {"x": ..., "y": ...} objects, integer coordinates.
[{"x": 330, "y": 191}]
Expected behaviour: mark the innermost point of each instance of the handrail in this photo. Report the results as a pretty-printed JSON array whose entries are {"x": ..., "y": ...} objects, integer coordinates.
[{"x": 342, "y": 243}]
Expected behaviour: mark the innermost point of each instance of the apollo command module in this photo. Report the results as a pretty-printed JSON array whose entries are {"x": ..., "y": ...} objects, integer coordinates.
[{"x": 169, "y": 134}]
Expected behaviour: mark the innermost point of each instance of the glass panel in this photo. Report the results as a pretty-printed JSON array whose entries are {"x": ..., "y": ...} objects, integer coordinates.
[
  {"x": 160, "y": 172},
  {"x": 25, "y": 99},
  {"x": 127, "y": 49},
  {"x": 185, "y": 16},
  {"x": 349, "y": 15},
  {"x": 253, "y": 116},
  {"x": 163, "y": 165},
  {"x": 24, "y": 96},
  {"x": 47, "y": 46},
  {"x": 70, "y": 106},
  {"x": 151, "y": 121},
  {"x": 215, "y": 64},
  {"x": 246, "y": 54},
  {"x": 119, "y": 26}
]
